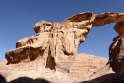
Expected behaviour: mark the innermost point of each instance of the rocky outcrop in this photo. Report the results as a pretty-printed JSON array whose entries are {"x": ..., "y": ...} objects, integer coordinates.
[
  {"x": 63, "y": 38},
  {"x": 116, "y": 61},
  {"x": 116, "y": 49},
  {"x": 55, "y": 44},
  {"x": 54, "y": 47},
  {"x": 83, "y": 66}
]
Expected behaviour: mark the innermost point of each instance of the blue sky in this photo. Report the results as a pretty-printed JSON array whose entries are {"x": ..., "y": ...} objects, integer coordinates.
[{"x": 17, "y": 18}]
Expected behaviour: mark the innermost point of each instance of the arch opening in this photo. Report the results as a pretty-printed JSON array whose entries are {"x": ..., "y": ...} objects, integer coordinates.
[{"x": 98, "y": 41}]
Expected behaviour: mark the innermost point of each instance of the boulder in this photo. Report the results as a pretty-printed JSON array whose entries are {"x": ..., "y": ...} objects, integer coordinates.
[{"x": 116, "y": 49}]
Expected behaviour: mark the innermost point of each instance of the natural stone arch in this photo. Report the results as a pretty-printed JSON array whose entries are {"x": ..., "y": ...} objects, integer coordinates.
[{"x": 55, "y": 45}]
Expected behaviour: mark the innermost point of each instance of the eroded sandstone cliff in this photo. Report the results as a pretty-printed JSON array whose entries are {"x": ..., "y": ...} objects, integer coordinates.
[{"x": 54, "y": 47}]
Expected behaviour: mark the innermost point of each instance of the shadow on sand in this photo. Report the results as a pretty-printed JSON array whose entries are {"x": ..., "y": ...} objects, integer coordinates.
[
  {"x": 23, "y": 80},
  {"x": 108, "y": 78}
]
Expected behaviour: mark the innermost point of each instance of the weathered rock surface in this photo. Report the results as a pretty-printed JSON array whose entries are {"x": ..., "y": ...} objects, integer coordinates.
[
  {"x": 100, "y": 19},
  {"x": 54, "y": 47},
  {"x": 116, "y": 49},
  {"x": 84, "y": 65},
  {"x": 119, "y": 27}
]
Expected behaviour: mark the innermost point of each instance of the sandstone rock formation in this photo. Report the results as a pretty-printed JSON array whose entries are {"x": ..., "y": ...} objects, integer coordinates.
[
  {"x": 116, "y": 53},
  {"x": 54, "y": 46},
  {"x": 116, "y": 49},
  {"x": 84, "y": 65}
]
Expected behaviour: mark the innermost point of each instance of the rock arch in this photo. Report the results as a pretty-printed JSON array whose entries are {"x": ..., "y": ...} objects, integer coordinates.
[{"x": 54, "y": 46}]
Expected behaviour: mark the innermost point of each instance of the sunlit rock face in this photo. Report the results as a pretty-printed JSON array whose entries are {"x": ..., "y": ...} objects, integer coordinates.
[
  {"x": 84, "y": 65},
  {"x": 54, "y": 46}
]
